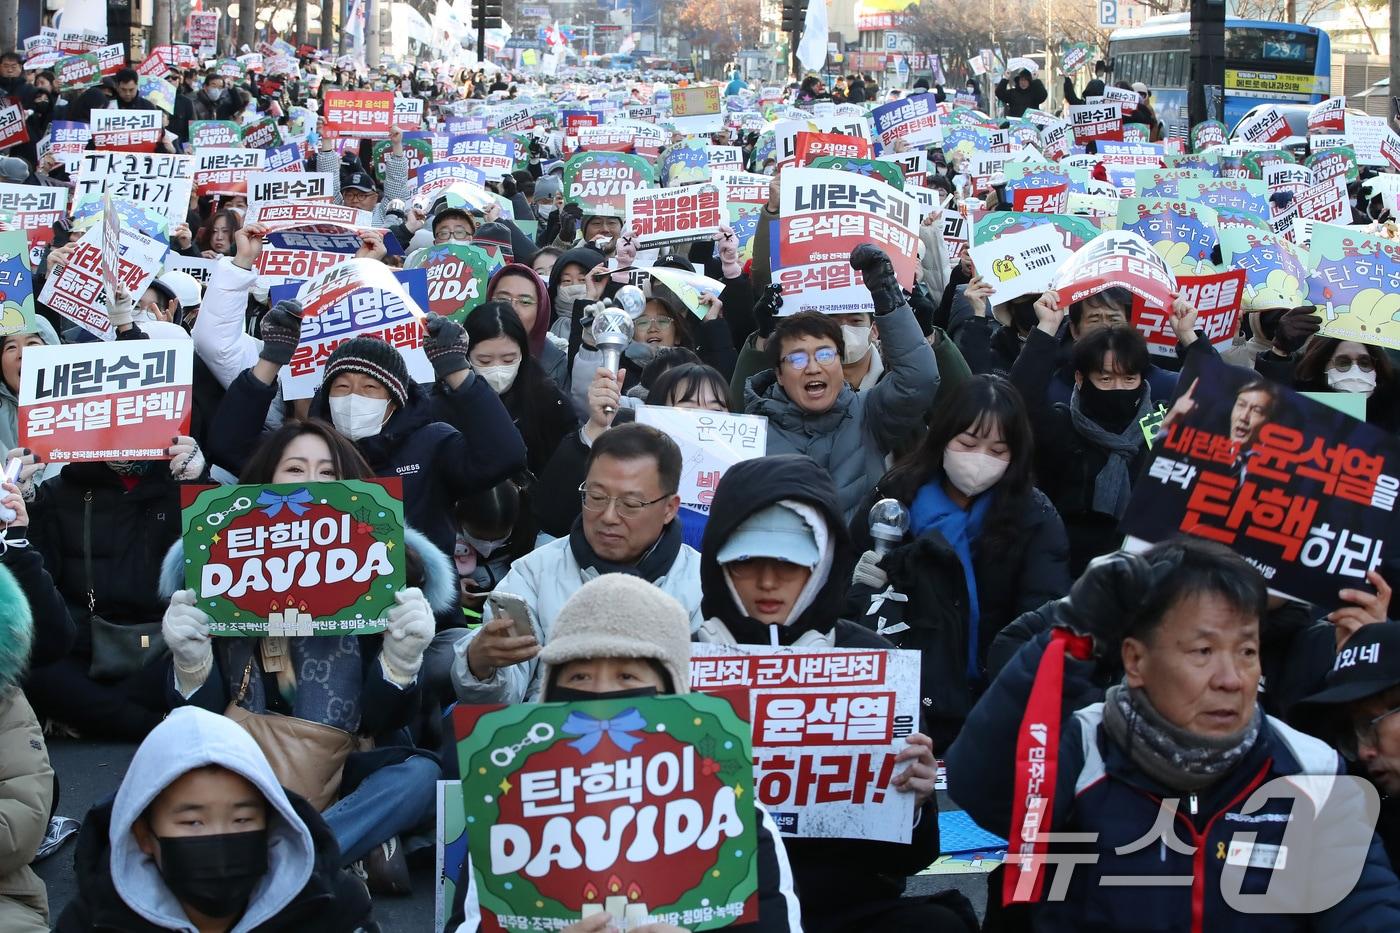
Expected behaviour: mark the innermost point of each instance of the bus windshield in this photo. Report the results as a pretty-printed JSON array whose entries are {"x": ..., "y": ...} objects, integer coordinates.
[{"x": 1270, "y": 48}]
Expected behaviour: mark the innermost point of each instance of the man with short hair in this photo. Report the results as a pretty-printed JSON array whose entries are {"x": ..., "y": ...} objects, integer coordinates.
[
  {"x": 128, "y": 85},
  {"x": 12, "y": 81},
  {"x": 627, "y": 525}
]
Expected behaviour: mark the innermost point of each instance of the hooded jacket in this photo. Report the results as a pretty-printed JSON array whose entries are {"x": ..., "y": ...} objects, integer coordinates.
[
  {"x": 550, "y": 358},
  {"x": 9, "y": 402},
  {"x": 1018, "y": 101},
  {"x": 438, "y": 465},
  {"x": 839, "y": 881},
  {"x": 26, "y": 778},
  {"x": 121, "y": 888},
  {"x": 851, "y": 439}
]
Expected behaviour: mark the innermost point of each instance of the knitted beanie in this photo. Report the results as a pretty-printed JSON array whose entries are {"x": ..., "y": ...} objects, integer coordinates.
[
  {"x": 619, "y": 615},
  {"x": 497, "y": 235},
  {"x": 547, "y": 187},
  {"x": 371, "y": 357}
]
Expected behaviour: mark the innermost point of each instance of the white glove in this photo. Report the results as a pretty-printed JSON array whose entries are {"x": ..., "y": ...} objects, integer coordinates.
[
  {"x": 186, "y": 631},
  {"x": 186, "y": 462},
  {"x": 868, "y": 572},
  {"x": 409, "y": 630},
  {"x": 29, "y": 470},
  {"x": 121, "y": 312}
]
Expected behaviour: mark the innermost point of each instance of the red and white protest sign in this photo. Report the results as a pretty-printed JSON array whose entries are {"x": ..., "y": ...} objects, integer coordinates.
[
  {"x": 355, "y": 298},
  {"x": 13, "y": 130},
  {"x": 827, "y": 725},
  {"x": 1096, "y": 121},
  {"x": 276, "y": 266},
  {"x": 36, "y": 210},
  {"x": 288, "y": 215},
  {"x": 1330, "y": 116},
  {"x": 111, "y": 58},
  {"x": 76, "y": 290},
  {"x": 1326, "y": 201},
  {"x": 408, "y": 113},
  {"x": 1125, "y": 98},
  {"x": 225, "y": 171},
  {"x": 1390, "y": 149},
  {"x": 203, "y": 29},
  {"x": 605, "y": 139},
  {"x": 77, "y": 41},
  {"x": 815, "y": 145},
  {"x": 364, "y": 114},
  {"x": 1266, "y": 125},
  {"x": 1052, "y": 199},
  {"x": 683, "y": 214},
  {"x": 1116, "y": 258},
  {"x": 825, "y": 214},
  {"x": 1216, "y": 298},
  {"x": 105, "y": 401},
  {"x": 127, "y": 130}
]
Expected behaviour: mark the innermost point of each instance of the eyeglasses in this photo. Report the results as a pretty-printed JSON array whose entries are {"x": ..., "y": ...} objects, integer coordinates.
[
  {"x": 519, "y": 301},
  {"x": 1367, "y": 731},
  {"x": 1342, "y": 364},
  {"x": 798, "y": 359},
  {"x": 458, "y": 235},
  {"x": 627, "y": 507},
  {"x": 660, "y": 323}
]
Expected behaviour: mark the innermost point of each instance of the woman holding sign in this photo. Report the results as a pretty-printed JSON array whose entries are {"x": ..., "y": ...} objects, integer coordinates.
[{"x": 367, "y": 685}]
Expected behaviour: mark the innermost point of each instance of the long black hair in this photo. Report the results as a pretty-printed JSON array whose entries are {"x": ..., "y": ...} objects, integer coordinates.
[
  {"x": 527, "y": 393},
  {"x": 976, "y": 405}
]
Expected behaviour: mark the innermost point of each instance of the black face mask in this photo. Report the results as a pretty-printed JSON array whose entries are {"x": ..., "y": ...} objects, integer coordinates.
[
  {"x": 1111, "y": 408},
  {"x": 216, "y": 875},
  {"x": 1023, "y": 315},
  {"x": 562, "y": 694}
]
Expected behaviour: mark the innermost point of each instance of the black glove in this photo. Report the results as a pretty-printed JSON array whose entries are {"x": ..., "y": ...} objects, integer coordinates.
[
  {"x": 765, "y": 310},
  {"x": 508, "y": 185},
  {"x": 1293, "y": 328},
  {"x": 445, "y": 346},
  {"x": 570, "y": 216},
  {"x": 880, "y": 279},
  {"x": 1104, "y": 602},
  {"x": 281, "y": 330},
  {"x": 536, "y": 149}
]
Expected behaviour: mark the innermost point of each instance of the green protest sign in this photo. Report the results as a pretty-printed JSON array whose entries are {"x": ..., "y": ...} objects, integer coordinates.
[
  {"x": 599, "y": 181},
  {"x": 417, "y": 151},
  {"x": 642, "y": 808},
  {"x": 887, "y": 172},
  {"x": 1208, "y": 133},
  {"x": 215, "y": 134},
  {"x": 75, "y": 72},
  {"x": 294, "y": 558},
  {"x": 457, "y": 276}
]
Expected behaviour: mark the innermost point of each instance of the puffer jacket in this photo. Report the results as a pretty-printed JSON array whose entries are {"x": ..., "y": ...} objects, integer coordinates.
[
  {"x": 1100, "y": 790},
  {"x": 9, "y": 401},
  {"x": 1017, "y": 101},
  {"x": 26, "y": 778},
  {"x": 852, "y": 438}
]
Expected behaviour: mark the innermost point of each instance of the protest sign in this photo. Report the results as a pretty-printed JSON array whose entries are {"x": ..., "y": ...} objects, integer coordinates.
[
  {"x": 1275, "y": 273},
  {"x": 313, "y": 225},
  {"x": 1074, "y": 231},
  {"x": 1264, "y": 125},
  {"x": 280, "y": 265},
  {"x": 159, "y": 92},
  {"x": 358, "y": 114},
  {"x": 78, "y": 39},
  {"x": 16, "y": 285},
  {"x": 710, "y": 443},
  {"x": 1020, "y": 263},
  {"x": 696, "y": 109},
  {"x": 1096, "y": 121},
  {"x": 196, "y": 267},
  {"x": 66, "y": 142},
  {"x": 1116, "y": 258},
  {"x": 1303, "y": 492},
  {"x": 270, "y": 187},
  {"x": 667, "y": 216},
  {"x": 457, "y": 276},
  {"x": 1355, "y": 283},
  {"x": 1183, "y": 232},
  {"x": 76, "y": 72},
  {"x": 599, "y": 182},
  {"x": 955, "y": 231},
  {"x": 1337, "y": 162},
  {"x": 785, "y": 132},
  {"x": 126, "y": 130},
  {"x": 203, "y": 30},
  {"x": 408, "y": 113},
  {"x": 225, "y": 171},
  {"x": 1365, "y": 134},
  {"x": 724, "y": 158},
  {"x": 294, "y": 559},
  {"x": 160, "y": 181},
  {"x": 1216, "y": 296},
  {"x": 1050, "y": 199},
  {"x": 494, "y": 155},
  {"x": 105, "y": 401},
  {"x": 13, "y": 130},
  {"x": 262, "y": 134},
  {"x": 288, "y": 157},
  {"x": 36, "y": 210},
  {"x": 669, "y": 777},
  {"x": 356, "y": 298},
  {"x": 434, "y": 178},
  {"x": 688, "y": 287},
  {"x": 684, "y": 163},
  {"x": 824, "y": 215},
  {"x": 76, "y": 291},
  {"x": 416, "y": 153},
  {"x": 1246, "y": 195},
  {"x": 914, "y": 120},
  {"x": 1076, "y": 55},
  {"x": 827, "y": 724},
  {"x": 1328, "y": 116},
  {"x": 214, "y": 134},
  {"x": 1326, "y": 202},
  {"x": 813, "y": 145},
  {"x": 608, "y": 138}
]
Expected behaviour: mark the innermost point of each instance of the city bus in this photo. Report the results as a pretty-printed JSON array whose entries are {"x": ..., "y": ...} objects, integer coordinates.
[{"x": 1264, "y": 63}]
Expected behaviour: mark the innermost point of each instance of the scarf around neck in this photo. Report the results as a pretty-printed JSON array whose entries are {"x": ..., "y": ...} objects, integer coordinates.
[
  {"x": 651, "y": 566},
  {"x": 1173, "y": 757},
  {"x": 933, "y": 509},
  {"x": 1113, "y": 484}
]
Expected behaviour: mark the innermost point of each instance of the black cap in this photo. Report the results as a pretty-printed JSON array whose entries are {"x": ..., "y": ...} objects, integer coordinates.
[
  {"x": 358, "y": 180},
  {"x": 1368, "y": 664}
]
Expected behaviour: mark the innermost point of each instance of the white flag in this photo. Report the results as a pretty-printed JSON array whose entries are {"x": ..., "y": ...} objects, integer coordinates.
[{"x": 811, "y": 51}]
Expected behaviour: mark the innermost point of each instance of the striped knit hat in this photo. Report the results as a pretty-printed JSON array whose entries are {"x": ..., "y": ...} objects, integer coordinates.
[{"x": 371, "y": 357}]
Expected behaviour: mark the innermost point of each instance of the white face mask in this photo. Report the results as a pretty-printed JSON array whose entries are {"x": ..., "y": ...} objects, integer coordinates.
[
  {"x": 972, "y": 472},
  {"x": 1353, "y": 380},
  {"x": 857, "y": 342},
  {"x": 566, "y": 295},
  {"x": 358, "y": 416},
  {"x": 499, "y": 378},
  {"x": 484, "y": 547},
  {"x": 214, "y": 93},
  {"x": 544, "y": 210}
]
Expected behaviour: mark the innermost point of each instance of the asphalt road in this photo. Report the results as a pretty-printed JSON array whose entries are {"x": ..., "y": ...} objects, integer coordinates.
[{"x": 89, "y": 772}]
